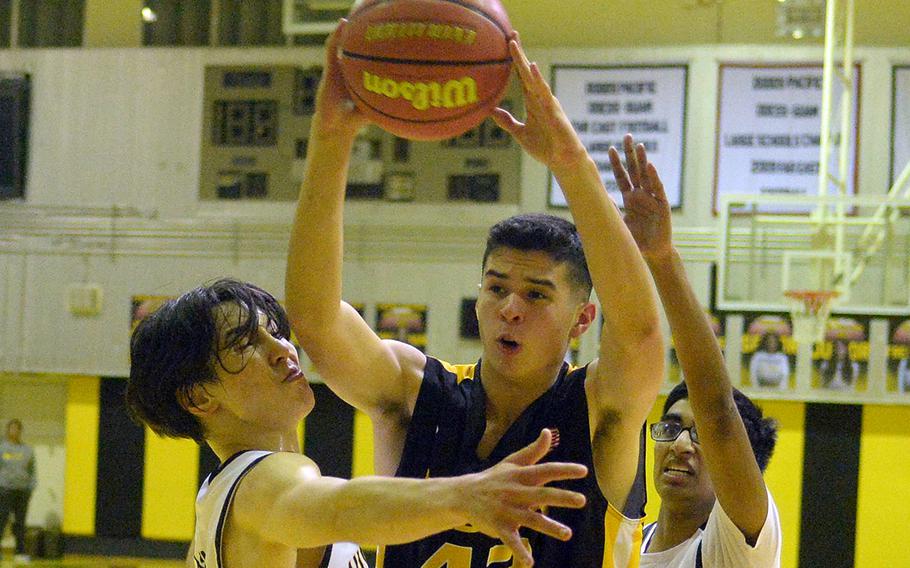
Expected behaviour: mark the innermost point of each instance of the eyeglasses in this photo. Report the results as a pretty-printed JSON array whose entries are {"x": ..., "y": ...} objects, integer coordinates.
[{"x": 669, "y": 430}]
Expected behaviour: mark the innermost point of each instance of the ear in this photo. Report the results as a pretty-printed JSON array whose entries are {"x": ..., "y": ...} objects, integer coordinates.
[
  {"x": 198, "y": 401},
  {"x": 584, "y": 319}
]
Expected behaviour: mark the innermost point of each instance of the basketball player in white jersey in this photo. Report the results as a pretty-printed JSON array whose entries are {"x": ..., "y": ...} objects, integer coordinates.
[
  {"x": 712, "y": 443},
  {"x": 216, "y": 365}
]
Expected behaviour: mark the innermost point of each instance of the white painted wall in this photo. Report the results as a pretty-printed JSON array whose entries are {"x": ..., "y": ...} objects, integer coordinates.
[{"x": 122, "y": 127}]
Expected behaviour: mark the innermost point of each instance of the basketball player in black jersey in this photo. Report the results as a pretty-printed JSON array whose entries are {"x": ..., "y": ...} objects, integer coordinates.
[{"x": 434, "y": 419}]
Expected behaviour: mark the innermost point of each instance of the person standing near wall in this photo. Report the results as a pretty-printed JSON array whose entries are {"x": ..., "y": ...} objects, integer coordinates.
[{"x": 17, "y": 480}]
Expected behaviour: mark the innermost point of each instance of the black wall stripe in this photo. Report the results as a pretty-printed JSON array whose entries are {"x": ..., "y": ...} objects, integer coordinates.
[
  {"x": 830, "y": 479},
  {"x": 121, "y": 455},
  {"x": 208, "y": 461},
  {"x": 329, "y": 434}
]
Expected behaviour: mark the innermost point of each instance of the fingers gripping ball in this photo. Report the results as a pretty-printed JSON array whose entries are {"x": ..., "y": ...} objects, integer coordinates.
[{"x": 426, "y": 69}]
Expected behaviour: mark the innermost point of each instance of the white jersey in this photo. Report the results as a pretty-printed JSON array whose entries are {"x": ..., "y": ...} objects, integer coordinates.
[
  {"x": 214, "y": 501},
  {"x": 720, "y": 545}
]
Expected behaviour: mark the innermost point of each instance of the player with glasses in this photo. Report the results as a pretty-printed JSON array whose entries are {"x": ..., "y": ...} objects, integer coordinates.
[
  {"x": 669, "y": 430},
  {"x": 715, "y": 510}
]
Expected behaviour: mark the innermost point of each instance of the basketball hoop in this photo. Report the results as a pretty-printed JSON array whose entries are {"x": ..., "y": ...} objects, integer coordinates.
[{"x": 809, "y": 311}]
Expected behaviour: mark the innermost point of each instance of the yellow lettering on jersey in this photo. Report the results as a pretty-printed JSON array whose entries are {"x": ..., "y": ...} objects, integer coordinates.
[
  {"x": 451, "y": 556},
  {"x": 502, "y": 553}
]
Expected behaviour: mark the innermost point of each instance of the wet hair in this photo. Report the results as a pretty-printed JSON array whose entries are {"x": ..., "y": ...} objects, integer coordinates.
[
  {"x": 547, "y": 233},
  {"x": 177, "y": 347},
  {"x": 762, "y": 431}
]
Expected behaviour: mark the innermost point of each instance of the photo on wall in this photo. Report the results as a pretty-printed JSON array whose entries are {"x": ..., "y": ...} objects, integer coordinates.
[
  {"x": 403, "y": 322},
  {"x": 718, "y": 325},
  {"x": 840, "y": 362},
  {"x": 899, "y": 356},
  {"x": 768, "y": 352}
]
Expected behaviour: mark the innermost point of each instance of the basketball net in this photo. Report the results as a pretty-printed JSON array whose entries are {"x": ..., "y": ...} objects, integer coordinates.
[{"x": 809, "y": 311}]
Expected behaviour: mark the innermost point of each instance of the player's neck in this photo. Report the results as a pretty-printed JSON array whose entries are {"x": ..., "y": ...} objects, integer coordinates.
[
  {"x": 227, "y": 444},
  {"x": 508, "y": 396},
  {"x": 677, "y": 524}
]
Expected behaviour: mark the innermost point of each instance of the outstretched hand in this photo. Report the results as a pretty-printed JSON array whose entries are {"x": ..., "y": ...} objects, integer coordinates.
[
  {"x": 335, "y": 111},
  {"x": 647, "y": 211},
  {"x": 546, "y": 134},
  {"x": 511, "y": 495}
]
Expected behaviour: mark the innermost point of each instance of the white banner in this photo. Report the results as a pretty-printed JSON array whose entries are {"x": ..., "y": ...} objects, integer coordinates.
[
  {"x": 900, "y": 125},
  {"x": 768, "y": 137},
  {"x": 604, "y": 103}
]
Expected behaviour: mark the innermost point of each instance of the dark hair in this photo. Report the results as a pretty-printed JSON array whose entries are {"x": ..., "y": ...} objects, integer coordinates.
[
  {"x": 762, "y": 431},
  {"x": 547, "y": 233},
  {"x": 176, "y": 348},
  {"x": 828, "y": 367},
  {"x": 15, "y": 421}
]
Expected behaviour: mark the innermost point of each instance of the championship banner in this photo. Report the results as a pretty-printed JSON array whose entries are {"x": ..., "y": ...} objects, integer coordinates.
[
  {"x": 769, "y": 132},
  {"x": 604, "y": 103}
]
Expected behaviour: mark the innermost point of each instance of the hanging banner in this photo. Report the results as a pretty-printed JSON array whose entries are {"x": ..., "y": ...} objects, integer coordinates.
[
  {"x": 604, "y": 103},
  {"x": 768, "y": 136},
  {"x": 900, "y": 122}
]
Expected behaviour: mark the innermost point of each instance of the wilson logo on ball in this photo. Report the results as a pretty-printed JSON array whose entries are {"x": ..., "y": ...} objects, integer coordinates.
[
  {"x": 420, "y": 30},
  {"x": 455, "y": 93}
]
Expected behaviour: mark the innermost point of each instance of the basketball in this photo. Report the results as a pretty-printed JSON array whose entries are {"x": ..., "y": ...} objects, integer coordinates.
[{"x": 426, "y": 69}]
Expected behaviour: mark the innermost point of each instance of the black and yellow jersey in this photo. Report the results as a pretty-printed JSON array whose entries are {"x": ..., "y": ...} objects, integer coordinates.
[{"x": 448, "y": 423}]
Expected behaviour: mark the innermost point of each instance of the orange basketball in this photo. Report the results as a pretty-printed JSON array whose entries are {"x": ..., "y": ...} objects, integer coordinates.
[{"x": 426, "y": 69}]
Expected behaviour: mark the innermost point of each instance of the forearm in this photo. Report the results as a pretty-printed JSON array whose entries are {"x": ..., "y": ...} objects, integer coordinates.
[
  {"x": 617, "y": 268},
  {"x": 315, "y": 254},
  {"x": 368, "y": 510},
  {"x": 697, "y": 349}
]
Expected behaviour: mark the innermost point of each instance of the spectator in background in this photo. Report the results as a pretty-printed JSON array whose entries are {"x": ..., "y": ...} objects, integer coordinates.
[
  {"x": 769, "y": 366},
  {"x": 839, "y": 372},
  {"x": 17, "y": 480},
  {"x": 903, "y": 375}
]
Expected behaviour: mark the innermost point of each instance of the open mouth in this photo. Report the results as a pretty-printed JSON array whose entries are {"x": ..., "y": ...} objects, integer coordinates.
[
  {"x": 294, "y": 375},
  {"x": 509, "y": 345},
  {"x": 677, "y": 471}
]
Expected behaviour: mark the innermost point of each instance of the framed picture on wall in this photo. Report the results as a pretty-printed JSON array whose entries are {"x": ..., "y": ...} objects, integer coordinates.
[
  {"x": 604, "y": 103},
  {"x": 768, "y": 132},
  {"x": 900, "y": 120}
]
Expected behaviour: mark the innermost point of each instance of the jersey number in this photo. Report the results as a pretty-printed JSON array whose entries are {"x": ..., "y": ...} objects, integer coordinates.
[{"x": 453, "y": 556}]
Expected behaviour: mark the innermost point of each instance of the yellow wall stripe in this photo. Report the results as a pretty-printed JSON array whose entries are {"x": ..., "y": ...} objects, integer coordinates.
[
  {"x": 81, "y": 455},
  {"x": 363, "y": 445},
  {"x": 884, "y": 493},
  {"x": 784, "y": 475},
  {"x": 169, "y": 488}
]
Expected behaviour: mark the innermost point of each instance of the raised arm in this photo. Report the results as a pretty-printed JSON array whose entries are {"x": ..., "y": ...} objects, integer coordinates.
[
  {"x": 624, "y": 382},
  {"x": 285, "y": 500},
  {"x": 723, "y": 439},
  {"x": 368, "y": 373}
]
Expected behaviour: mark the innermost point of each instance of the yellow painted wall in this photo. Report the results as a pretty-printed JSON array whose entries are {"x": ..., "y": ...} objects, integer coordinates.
[
  {"x": 82, "y": 414},
  {"x": 883, "y": 507},
  {"x": 363, "y": 445},
  {"x": 170, "y": 480},
  {"x": 112, "y": 23},
  {"x": 784, "y": 475}
]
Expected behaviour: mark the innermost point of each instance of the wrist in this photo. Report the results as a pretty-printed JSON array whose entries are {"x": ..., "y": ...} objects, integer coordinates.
[{"x": 573, "y": 165}]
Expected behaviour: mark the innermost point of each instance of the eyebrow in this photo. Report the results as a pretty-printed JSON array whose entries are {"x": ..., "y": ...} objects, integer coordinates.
[
  {"x": 545, "y": 282},
  {"x": 672, "y": 417}
]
